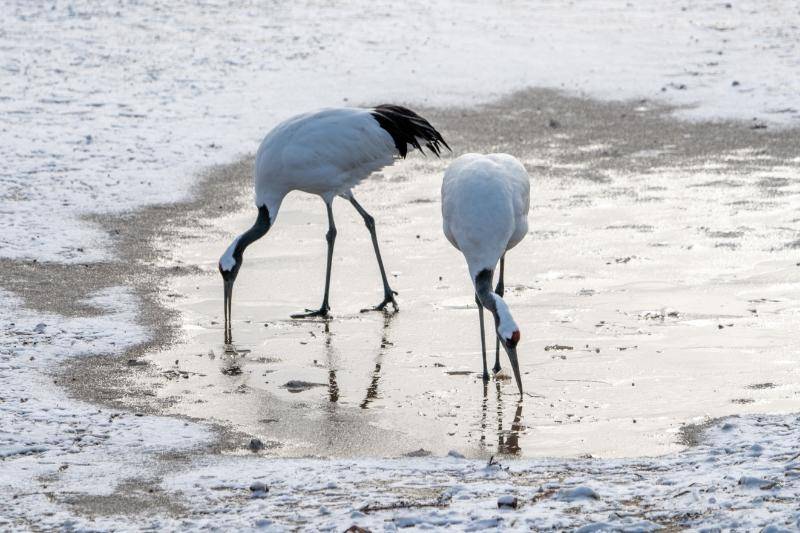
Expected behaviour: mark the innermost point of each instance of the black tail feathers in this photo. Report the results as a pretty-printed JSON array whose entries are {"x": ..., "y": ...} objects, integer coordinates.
[{"x": 406, "y": 127}]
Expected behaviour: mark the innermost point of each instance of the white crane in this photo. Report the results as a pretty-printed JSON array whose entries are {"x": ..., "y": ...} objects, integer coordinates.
[
  {"x": 485, "y": 203},
  {"x": 326, "y": 153}
]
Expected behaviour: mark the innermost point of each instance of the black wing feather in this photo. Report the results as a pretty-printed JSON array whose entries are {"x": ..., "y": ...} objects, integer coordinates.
[{"x": 407, "y": 127}]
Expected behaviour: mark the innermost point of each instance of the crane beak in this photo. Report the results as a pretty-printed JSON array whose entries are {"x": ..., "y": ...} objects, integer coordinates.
[
  {"x": 228, "y": 288},
  {"x": 512, "y": 356}
]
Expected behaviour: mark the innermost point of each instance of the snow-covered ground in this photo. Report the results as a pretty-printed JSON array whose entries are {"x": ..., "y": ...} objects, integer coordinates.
[
  {"x": 106, "y": 107},
  {"x": 45, "y": 434}
]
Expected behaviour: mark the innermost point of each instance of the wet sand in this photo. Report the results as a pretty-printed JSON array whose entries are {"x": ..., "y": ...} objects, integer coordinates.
[{"x": 657, "y": 287}]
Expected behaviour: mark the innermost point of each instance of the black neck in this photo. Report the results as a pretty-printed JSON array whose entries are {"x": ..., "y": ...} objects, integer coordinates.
[
  {"x": 483, "y": 288},
  {"x": 259, "y": 229}
]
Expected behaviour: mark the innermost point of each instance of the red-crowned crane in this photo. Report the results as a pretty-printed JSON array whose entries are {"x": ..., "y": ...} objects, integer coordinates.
[
  {"x": 485, "y": 203},
  {"x": 327, "y": 153}
]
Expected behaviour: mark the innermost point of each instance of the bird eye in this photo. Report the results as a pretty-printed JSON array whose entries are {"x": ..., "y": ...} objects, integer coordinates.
[{"x": 514, "y": 338}]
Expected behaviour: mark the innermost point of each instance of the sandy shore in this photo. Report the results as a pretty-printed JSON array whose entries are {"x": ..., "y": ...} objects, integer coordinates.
[{"x": 706, "y": 231}]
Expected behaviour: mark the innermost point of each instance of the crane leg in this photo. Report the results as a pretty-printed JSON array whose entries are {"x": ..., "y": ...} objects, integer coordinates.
[
  {"x": 324, "y": 309},
  {"x": 499, "y": 290},
  {"x": 483, "y": 340},
  {"x": 388, "y": 293}
]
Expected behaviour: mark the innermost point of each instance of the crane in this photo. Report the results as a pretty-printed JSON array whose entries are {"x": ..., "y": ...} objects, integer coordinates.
[
  {"x": 327, "y": 153},
  {"x": 485, "y": 204}
]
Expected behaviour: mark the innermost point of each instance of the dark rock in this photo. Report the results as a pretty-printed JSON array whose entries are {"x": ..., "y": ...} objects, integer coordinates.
[{"x": 255, "y": 445}]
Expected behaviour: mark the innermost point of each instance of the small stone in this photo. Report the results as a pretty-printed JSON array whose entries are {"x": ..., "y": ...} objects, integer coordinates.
[
  {"x": 422, "y": 452},
  {"x": 507, "y": 502},
  {"x": 40, "y": 327},
  {"x": 454, "y": 453},
  {"x": 258, "y": 486},
  {"x": 553, "y": 123},
  {"x": 255, "y": 445},
  {"x": 735, "y": 83}
]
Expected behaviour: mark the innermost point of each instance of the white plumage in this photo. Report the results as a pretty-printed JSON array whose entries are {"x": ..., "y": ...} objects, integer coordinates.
[
  {"x": 327, "y": 153},
  {"x": 485, "y": 204}
]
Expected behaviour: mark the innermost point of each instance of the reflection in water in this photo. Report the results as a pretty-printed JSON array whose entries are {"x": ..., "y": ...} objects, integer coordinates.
[
  {"x": 507, "y": 440},
  {"x": 372, "y": 390},
  {"x": 231, "y": 360},
  {"x": 333, "y": 387},
  {"x": 484, "y": 408},
  {"x": 330, "y": 352}
]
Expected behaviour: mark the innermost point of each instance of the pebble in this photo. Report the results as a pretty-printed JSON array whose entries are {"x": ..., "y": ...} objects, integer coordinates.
[
  {"x": 258, "y": 486},
  {"x": 507, "y": 502}
]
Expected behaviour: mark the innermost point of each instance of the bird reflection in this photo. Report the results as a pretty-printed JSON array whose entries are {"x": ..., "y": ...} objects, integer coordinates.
[
  {"x": 372, "y": 388},
  {"x": 507, "y": 439},
  {"x": 333, "y": 386}
]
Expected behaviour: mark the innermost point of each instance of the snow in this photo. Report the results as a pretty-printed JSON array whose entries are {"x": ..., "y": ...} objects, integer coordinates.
[
  {"x": 43, "y": 433},
  {"x": 697, "y": 487},
  {"x": 108, "y": 107}
]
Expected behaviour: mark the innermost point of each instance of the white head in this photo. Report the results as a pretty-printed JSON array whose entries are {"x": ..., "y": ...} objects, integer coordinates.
[
  {"x": 228, "y": 261},
  {"x": 508, "y": 334},
  {"x": 506, "y": 327}
]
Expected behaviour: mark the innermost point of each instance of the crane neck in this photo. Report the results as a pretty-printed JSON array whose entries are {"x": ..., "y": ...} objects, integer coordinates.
[
  {"x": 483, "y": 288},
  {"x": 258, "y": 230}
]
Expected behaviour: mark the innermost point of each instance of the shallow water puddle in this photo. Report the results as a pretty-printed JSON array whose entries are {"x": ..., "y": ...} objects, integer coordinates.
[{"x": 635, "y": 319}]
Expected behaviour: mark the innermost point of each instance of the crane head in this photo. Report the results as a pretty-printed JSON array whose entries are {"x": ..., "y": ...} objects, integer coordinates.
[
  {"x": 509, "y": 335},
  {"x": 229, "y": 265}
]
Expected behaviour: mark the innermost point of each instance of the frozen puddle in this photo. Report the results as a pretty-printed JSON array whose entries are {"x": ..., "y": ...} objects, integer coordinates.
[{"x": 637, "y": 317}]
